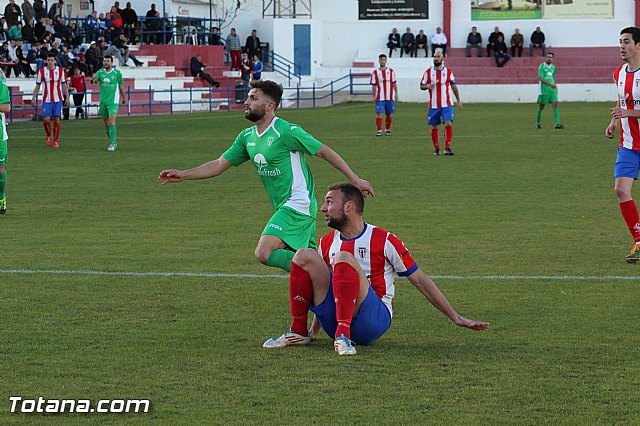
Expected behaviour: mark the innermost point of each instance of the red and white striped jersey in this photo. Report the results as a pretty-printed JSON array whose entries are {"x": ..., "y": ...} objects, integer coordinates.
[
  {"x": 380, "y": 255},
  {"x": 384, "y": 81},
  {"x": 628, "y": 84},
  {"x": 51, "y": 81},
  {"x": 440, "y": 96}
]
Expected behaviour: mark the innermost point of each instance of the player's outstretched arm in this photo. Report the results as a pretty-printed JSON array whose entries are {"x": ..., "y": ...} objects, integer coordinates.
[
  {"x": 205, "y": 171},
  {"x": 428, "y": 288},
  {"x": 336, "y": 161}
]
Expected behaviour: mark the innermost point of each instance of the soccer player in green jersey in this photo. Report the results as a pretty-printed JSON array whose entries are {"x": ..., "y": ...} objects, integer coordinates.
[
  {"x": 548, "y": 92},
  {"x": 5, "y": 106},
  {"x": 277, "y": 149},
  {"x": 111, "y": 94}
]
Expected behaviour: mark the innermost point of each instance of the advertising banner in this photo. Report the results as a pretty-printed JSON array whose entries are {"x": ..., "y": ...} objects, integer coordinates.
[{"x": 393, "y": 9}]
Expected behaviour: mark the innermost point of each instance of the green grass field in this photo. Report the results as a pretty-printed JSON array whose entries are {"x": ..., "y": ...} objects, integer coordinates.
[{"x": 521, "y": 228}]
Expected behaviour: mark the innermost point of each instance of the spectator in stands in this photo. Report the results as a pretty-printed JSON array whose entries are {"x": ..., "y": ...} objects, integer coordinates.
[
  {"x": 493, "y": 39},
  {"x": 33, "y": 56},
  {"x": 28, "y": 33},
  {"x": 246, "y": 68},
  {"x": 252, "y": 45},
  {"x": 38, "y": 29},
  {"x": 59, "y": 27},
  {"x": 4, "y": 58},
  {"x": 408, "y": 42},
  {"x": 439, "y": 40},
  {"x": 233, "y": 47},
  {"x": 56, "y": 9},
  {"x": 537, "y": 40},
  {"x": 12, "y": 13},
  {"x": 151, "y": 13},
  {"x": 100, "y": 49},
  {"x": 78, "y": 87},
  {"x": 72, "y": 34},
  {"x": 27, "y": 11},
  {"x": 116, "y": 23},
  {"x": 197, "y": 70},
  {"x": 474, "y": 41},
  {"x": 13, "y": 58},
  {"x": 421, "y": 43},
  {"x": 258, "y": 67},
  {"x": 39, "y": 10},
  {"x": 113, "y": 51},
  {"x": 104, "y": 25},
  {"x": 500, "y": 52},
  {"x": 167, "y": 29},
  {"x": 15, "y": 32},
  {"x": 214, "y": 39},
  {"x": 129, "y": 21},
  {"x": 394, "y": 41},
  {"x": 48, "y": 26},
  {"x": 25, "y": 67},
  {"x": 153, "y": 25},
  {"x": 122, "y": 44},
  {"x": 91, "y": 28},
  {"x": 91, "y": 58},
  {"x": 517, "y": 41}
]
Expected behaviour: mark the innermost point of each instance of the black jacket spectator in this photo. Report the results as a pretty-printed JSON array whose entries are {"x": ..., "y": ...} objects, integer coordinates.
[
  {"x": 408, "y": 41},
  {"x": 493, "y": 39},
  {"x": 12, "y": 14},
  {"x": 39, "y": 10},
  {"x": 27, "y": 33},
  {"x": 197, "y": 70},
  {"x": 252, "y": 45}
]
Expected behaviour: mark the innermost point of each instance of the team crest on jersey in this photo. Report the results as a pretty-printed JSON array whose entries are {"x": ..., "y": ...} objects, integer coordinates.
[
  {"x": 260, "y": 162},
  {"x": 269, "y": 140},
  {"x": 362, "y": 252}
]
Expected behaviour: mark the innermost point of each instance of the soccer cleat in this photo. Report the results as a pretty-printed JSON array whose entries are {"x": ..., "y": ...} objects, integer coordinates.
[
  {"x": 436, "y": 152},
  {"x": 538, "y": 126},
  {"x": 344, "y": 346},
  {"x": 289, "y": 338},
  {"x": 559, "y": 126},
  {"x": 387, "y": 133},
  {"x": 48, "y": 140},
  {"x": 55, "y": 144},
  {"x": 448, "y": 152},
  {"x": 634, "y": 255},
  {"x": 379, "y": 133},
  {"x": 112, "y": 147},
  {"x": 3, "y": 206}
]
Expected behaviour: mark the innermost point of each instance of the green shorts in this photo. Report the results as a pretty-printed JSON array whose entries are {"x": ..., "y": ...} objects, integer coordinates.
[
  {"x": 548, "y": 97},
  {"x": 3, "y": 152},
  {"x": 296, "y": 229},
  {"x": 105, "y": 111}
]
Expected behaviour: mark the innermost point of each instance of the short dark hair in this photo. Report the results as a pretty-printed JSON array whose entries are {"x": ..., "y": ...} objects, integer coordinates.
[
  {"x": 382, "y": 55},
  {"x": 634, "y": 31},
  {"x": 350, "y": 192},
  {"x": 108, "y": 56},
  {"x": 271, "y": 89},
  {"x": 51, "y": 55}
]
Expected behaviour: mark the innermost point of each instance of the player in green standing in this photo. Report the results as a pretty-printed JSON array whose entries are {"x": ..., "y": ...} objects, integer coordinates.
[
  {"x": 111, "y": 94},
  {"x": 548, "y": 91},
  {"x": 5, "y": 106},
  {"x": 277, "y": 149}
]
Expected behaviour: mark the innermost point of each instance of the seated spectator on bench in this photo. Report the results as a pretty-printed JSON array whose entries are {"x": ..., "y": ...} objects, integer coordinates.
[
  {"x": 474, "y": 41},
  {"x": 421, "y": 43},
  {"x": 517, "y": 41},
  {"x": 537, "y": 40},
  {"x": 500, "y": 52},
  {"x": 197, "y": 70},
  {"x": 439, "y": 40},
  {"x": 394, "y": 41},
  {"x": 493, "y": 38},
  {"x": 408, "y": 42}
]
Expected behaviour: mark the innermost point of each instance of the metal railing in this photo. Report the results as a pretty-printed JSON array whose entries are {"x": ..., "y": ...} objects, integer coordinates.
[{"x": 283, "y": 66}]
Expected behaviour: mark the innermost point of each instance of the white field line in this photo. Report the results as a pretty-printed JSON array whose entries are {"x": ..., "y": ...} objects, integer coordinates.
[{"x": 282, "y": 276}]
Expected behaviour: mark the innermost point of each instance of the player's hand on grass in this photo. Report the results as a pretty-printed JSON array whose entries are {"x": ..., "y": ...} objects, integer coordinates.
[
  {"x": 170, "y": 176},
  {"x": 473, "y": 325},
  {"x": 364, "y": 186}
]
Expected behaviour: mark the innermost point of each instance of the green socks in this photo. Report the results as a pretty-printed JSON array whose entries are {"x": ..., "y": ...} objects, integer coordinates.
[
  {"x": 111, "y": 134},
  {"x": 556, "y": 115},
  {"x": 281, "y": 258},
  {"x": 3, "y": 184},
  {"x": 538, "y": 116}
]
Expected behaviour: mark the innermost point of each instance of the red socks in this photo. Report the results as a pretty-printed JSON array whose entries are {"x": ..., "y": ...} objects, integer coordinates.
[
  {"x": 630, "y": 214},
  {"x": 300, "y": 296},
  {"x": 379, "y": 123},
  {"x": 388, "y": 123},
  {"x": 448, "y": 136},
  {"x": 47, "y": 128},
  {"x": 346, "y": 284},
  {"x": 56, "y": 132},
  {"x": 434, "y": 138}
]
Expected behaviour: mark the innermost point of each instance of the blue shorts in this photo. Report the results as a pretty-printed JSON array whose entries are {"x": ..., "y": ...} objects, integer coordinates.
[
  {"x": 438, "y": 116},
  {"x": 387, "y": 106},
  {"x": 372, "y": 321},
  {"x": 51, "y": 109},
  {"x": 627, "y": 163}
]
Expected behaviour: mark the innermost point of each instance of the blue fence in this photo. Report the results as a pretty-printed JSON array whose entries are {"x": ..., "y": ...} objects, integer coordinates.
[{"x": 198, "y": 99}]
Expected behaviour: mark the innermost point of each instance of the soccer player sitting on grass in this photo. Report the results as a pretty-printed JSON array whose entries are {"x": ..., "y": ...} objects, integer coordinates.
[
  {"x": 349, "y": 282},
  {"x": 277, "y": 149}
]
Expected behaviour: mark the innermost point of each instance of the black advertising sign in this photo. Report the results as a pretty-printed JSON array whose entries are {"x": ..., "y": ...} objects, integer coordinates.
[{"x": 393, "y": 9}]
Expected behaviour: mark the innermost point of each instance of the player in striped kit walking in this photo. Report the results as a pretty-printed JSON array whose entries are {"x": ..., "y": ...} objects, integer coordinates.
[
  {"x": 440, "y": 82},
  {"x": 627, "y": 115},
  {"x": 385, "y": 94},
  {"x": 54, "y": 81},
  {"x": 349, "y": 282}
]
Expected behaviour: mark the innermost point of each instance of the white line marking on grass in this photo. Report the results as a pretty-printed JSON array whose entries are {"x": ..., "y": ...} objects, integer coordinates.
[{"x": 226, "y": 275}]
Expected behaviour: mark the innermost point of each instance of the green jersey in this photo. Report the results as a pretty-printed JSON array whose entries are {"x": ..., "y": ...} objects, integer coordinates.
[
  {"x": 548, "y": 74},
  {"x": 278, "y": 155},
  {"x": 109, "y": 82},
  {"x": 4, "y": 99}
]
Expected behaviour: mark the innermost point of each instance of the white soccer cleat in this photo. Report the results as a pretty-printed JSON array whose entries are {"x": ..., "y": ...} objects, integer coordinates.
[
  {"x": 112, "y": 147},
  {"x": 289, "y": 338},
  {"x": 344, "y": 346}
]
